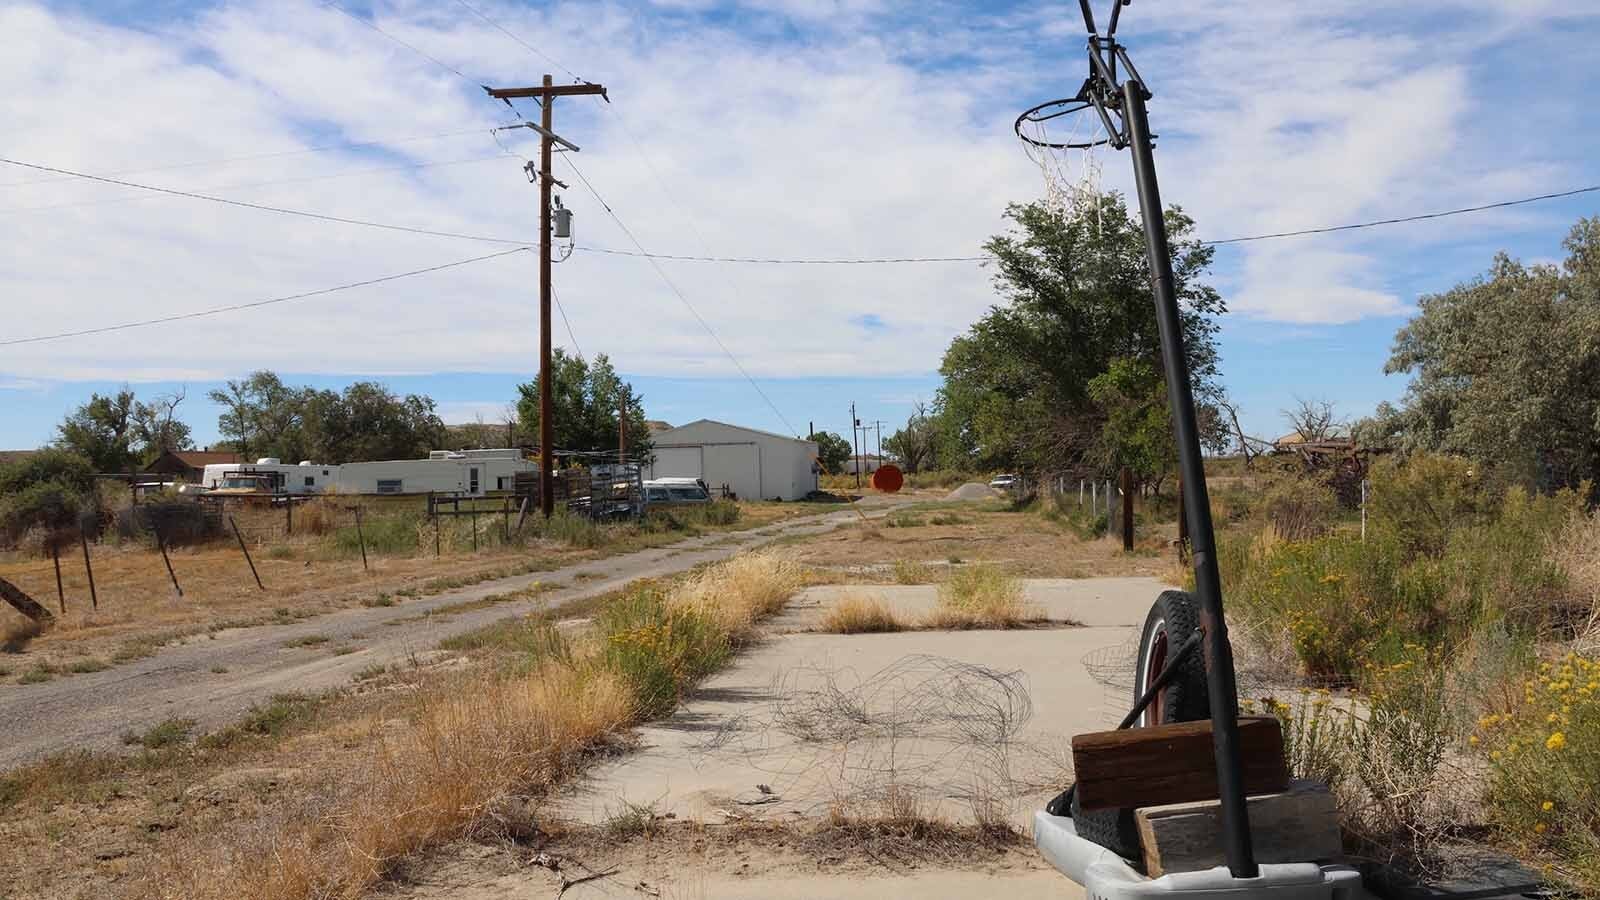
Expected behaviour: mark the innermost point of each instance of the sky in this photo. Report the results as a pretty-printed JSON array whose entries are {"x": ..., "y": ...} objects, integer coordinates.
[{"x": 758, "y": 128}]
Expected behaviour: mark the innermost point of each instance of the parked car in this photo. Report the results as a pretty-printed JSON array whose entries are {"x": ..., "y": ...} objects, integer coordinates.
[
  {"x": 1004, "y": 482},
  {"x": 675, "y": 491}
]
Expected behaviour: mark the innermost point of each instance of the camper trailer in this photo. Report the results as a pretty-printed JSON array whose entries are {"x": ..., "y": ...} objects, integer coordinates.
[{"x": 471, "y": 473}]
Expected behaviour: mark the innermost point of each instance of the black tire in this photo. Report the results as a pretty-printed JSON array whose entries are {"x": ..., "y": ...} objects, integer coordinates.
[{"x": 1172, "y": 619}]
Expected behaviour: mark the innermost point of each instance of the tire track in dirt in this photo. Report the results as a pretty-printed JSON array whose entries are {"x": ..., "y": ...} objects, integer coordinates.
[{"x": 91, "y": 711}]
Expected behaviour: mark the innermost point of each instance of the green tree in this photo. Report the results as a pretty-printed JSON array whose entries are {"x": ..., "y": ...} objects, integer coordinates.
[
  {"x": 366, "y": 422},
  {"x": 914, "y": 444},
  {"x": 1065, "y": 373},
  {"x": 156, "y": 428},
  {"x": 585, "y": 399},
  {"x": 100, "y": 431},
  {"x": 1506, "y": 369},
  {"x": 52, "y": 490},
  {"x": 833, "y": 451}
]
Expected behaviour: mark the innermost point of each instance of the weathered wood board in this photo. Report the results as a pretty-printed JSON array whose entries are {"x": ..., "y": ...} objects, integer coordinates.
[
  {"x": 1164, "y": 764},
  {"x": 1300, "y": 824}
]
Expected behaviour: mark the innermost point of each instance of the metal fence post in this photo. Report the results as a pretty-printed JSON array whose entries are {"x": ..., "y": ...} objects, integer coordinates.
[{"x": 88, "y": 568}]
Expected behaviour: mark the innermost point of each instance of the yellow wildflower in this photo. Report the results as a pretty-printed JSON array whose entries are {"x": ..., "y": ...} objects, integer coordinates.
[
  {"x": 1555, "y": 741},
  {"x": 1472, "y": 739},
  {"x": 1539, "y": 828},
  {"x": 1547, "y": 805}
]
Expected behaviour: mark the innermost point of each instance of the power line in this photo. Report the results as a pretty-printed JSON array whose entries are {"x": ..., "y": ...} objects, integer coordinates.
[
  {"x": 563, "y": 310},
  {"x": 263, "y": 207},
  {"x": 374, "y": 26},
  {"x": 640, "y": 252},
  {"x": 255, "y": 184},
  {"x": 674, "y": 288},
  {"x": 816, "y": 261},
  {"x": 531, "y": 48},
  {"x": 256, "y": 303},
  {"x": 1416, "y": 218},
  {"x": 255, "y": 156}
]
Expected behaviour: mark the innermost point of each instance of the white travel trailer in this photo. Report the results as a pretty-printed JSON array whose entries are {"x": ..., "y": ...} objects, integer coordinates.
[
  {"x": 465, "y": 472},
  {"x": 470, "y": 473},
  {"x": 305, "y": 478}
]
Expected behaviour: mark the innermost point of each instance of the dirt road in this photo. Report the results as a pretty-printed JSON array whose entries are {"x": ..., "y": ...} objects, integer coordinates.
[{"x": 215, "y": 678}]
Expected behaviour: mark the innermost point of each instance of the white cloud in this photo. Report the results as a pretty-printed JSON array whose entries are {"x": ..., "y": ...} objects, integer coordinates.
[{"x": 840, "y": 143}]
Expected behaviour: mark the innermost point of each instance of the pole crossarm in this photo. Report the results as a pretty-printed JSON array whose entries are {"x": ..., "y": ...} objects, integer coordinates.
[{"x": 558, "y": 90}]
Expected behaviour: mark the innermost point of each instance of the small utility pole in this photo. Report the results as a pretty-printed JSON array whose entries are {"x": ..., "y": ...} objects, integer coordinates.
[
  {"x": 547, "y": 95},
  {"x": 855, "y": 445},
  {"x": 622, "y": 428}
]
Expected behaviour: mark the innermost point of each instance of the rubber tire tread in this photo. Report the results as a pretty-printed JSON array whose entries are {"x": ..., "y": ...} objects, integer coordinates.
[{"x": 1185, "y": 700}]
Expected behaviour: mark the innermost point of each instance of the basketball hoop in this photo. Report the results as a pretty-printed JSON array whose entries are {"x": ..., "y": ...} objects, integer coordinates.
[{"x": 1063, "y": 137}]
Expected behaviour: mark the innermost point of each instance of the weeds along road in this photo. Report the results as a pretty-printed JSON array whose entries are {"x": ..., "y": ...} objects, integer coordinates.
[{"x": 215, "y": 679}]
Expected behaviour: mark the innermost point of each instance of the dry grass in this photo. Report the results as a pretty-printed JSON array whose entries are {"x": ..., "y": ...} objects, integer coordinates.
[
  {"x": 136, "y": 600},
  {"x": 981, "y": 595},
  {"x": 907, "y": 571},
  {"x": 861, "y": 614},
  {"x": 466, "y": 743},
  {"x": 1577, "y": 552},
  {"x": 738, "y": 592},
  {"x": 17, "y": 633}
]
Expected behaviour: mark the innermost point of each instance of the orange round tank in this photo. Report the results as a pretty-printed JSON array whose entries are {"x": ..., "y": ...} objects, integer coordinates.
[{"x": 888, "y": 479}]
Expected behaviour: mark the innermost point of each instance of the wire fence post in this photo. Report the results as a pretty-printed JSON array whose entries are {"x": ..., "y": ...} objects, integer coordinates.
[
  {"x": 435, "y": 525},
  {"x": 1127, "y": 509},
  {"x": 288, "y": 516},
  {"x": 161, "y": 542},
  {"x": 246, "y": 551},
  {"x": 361, "y": 537},
  {"x": 1363, "y": 510},
  {"x": 88, "y": 568},
  {"x": 55, "y": 557},
  {"x": 474, "y": 525}
]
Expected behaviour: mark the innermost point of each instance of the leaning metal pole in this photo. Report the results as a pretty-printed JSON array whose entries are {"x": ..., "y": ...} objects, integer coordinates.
[{"x": 1218, "y": 653}]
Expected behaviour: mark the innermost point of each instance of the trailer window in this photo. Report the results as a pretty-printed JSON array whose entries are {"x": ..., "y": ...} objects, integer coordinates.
[
  {"x": 311, "y": 481},
  {"x": 389, "y": 486}
]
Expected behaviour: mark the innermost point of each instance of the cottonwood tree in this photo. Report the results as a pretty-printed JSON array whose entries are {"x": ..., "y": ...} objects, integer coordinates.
[
  {"x": 584, "y": 403},
  {"x": 156, "y": 427},
  {"x": 1506, "y": 369},
  {"x": 833, "y": 451},
  {"x": 262, "y": 416},
  {"x": 914, "y": 444},
  {"x": 1065, "y": 372},
  {"x": 100, "y": 431},
  {"x": 1314, "y": 420}
]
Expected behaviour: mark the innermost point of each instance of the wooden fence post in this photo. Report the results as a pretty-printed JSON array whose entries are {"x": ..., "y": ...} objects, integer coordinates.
[
  {"x": 55, "y": 557},
  {"x": 246, "y": 551},
  {"x": 474, "y": 526},
  {"x": 1127, "y": 509},
  {"x": 24, "y": 604},
  {"x": 288, "y": 516},
  {"x": 162, "y": 543},
  {"x": 88, "y": 568},
  {"x": 362, "y": 537}
]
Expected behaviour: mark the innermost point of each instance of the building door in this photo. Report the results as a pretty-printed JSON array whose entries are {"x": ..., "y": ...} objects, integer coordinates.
[{"x": 472, "y": 480}]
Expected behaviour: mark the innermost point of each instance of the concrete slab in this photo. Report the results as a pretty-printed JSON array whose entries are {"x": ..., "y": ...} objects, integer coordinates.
[
  {"x": 960, "y": 725},
  {"x": 1104, "y": 602}
]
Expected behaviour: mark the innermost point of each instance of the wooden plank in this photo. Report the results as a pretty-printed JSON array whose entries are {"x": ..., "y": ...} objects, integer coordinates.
[
  {"x": 1164, "y": 764},
  {"x": 1300, "y": 824}
]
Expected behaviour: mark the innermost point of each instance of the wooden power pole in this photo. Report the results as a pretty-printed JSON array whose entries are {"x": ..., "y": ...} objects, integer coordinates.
[{"x": 546, "y": 95}]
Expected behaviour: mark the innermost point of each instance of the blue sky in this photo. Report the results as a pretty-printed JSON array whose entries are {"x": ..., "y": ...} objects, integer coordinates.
[{"x": 766, "y": 128}]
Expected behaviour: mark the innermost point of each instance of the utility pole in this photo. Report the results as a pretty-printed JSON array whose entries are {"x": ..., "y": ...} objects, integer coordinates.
[
  {"x": 622, "y": 428},
  {"x": 878, "y": 427},
  {"x": 546, "y": 95},
  {"x": 855, "y": 428}
]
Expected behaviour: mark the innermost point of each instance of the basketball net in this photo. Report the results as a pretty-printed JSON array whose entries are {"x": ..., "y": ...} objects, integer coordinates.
[{"x": 1071, "y": 176}]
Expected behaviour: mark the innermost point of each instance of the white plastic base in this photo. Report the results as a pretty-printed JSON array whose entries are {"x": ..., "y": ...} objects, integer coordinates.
[{"x": 1107, "y": 876}]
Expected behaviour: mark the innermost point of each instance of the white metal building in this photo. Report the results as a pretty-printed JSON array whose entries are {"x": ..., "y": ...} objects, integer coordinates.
[
  {"x": 755, "y": 464},
  {"x": 465, "y": 472}
]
